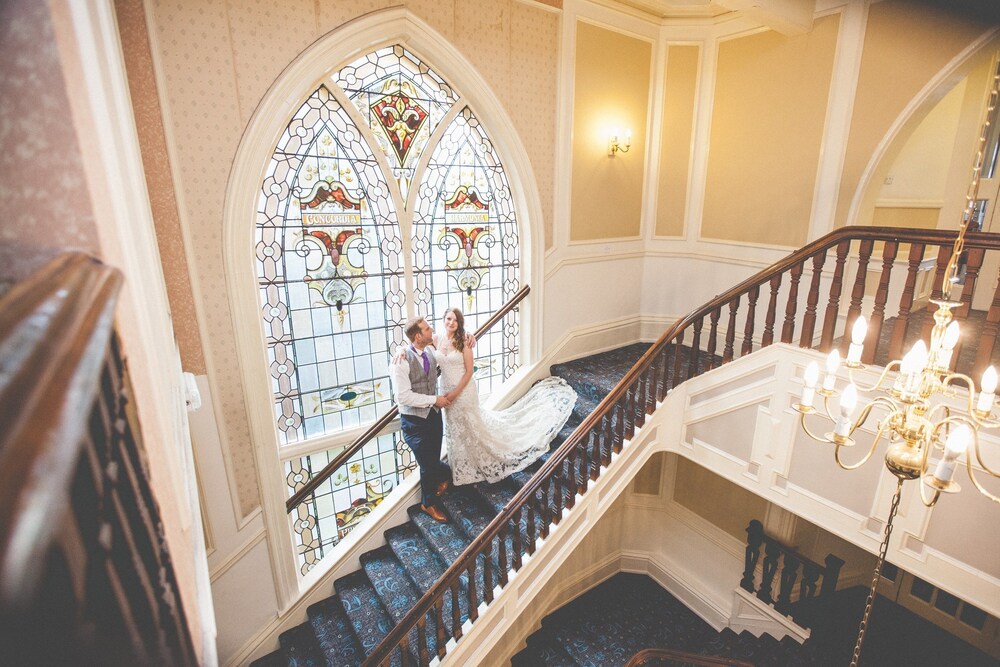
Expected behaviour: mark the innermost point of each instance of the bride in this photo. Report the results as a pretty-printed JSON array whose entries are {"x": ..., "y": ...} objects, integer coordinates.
[{"x": 485, "y": 444}]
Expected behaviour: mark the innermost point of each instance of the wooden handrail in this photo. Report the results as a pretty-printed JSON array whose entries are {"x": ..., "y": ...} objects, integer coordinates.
[
  {"x": 54, "y": 328},
  {"x": 310, "y": 487},
  {"x": 684, "y": 658},
  {"x": 610, "y": 421}
]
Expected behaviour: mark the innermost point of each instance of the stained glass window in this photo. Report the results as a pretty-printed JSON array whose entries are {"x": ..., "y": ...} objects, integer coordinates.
[
  {"x": 465, "y": 249},
  {"x": 330, "y": 274},
  {"x": 330, "y": 232},
  {"x": 403, "y": 102}
]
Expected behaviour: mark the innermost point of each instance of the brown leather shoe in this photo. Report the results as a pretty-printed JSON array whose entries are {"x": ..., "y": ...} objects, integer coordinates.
[
  {"x": 434, "y": 513},
  {"x": 442, "y": 488}
]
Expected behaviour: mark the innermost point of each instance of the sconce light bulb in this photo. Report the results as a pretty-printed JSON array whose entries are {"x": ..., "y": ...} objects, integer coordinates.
[
  {"x": 833, "y": 362},
  {"x": 950, "y": 336},
  {"x": 859, "y": 331},
  {"x": 919, "y": 352},
  {"x": 848, "y": 401}
]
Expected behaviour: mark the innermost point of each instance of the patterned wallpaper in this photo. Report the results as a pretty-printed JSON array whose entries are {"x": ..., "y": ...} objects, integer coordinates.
[
  {"x": 46, "y": 203},
  {"x": 156, "y": 164},
  {"x": 219, "y": 58}
]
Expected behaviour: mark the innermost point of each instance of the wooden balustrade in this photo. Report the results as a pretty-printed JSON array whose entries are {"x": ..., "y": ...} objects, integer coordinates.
[
  {"x": 781, "y": 565},
  {"x": 679, "y": 354},
  {"x": 85, "y": 574}
]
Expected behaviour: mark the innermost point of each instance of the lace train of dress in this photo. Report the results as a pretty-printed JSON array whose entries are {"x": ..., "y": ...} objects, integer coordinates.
[{"x": 490, "y": 445}]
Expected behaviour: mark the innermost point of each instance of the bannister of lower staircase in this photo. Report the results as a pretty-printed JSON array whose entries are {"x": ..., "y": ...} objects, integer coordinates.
[
  {"x": 54, "y": 329},
  {"x": 624, "y": 408},
  {"x": 310, "y": 486},
  {"x": 682, "y": 658}
]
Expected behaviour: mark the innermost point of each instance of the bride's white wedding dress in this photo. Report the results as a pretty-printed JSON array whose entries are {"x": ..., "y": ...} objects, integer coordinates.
[{"x": 490, "y": 445}]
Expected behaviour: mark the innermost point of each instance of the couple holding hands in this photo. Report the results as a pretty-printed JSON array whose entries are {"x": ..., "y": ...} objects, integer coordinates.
[{"x": 482, "y": 445}]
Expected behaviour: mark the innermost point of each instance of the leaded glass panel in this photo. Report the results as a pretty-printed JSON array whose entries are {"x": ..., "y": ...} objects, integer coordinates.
[
  {"x": 330, "y": 274},
  {"x": 345, "y": 499},
  {"x": 403, "y": 102},
  {"x": 465, "y": 247}
]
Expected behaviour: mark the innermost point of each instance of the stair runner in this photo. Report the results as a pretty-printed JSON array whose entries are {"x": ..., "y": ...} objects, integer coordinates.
[{"x": 367, "y": 604}]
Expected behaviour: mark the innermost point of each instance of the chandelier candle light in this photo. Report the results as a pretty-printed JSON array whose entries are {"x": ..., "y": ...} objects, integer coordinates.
[{"x": 920, "y": 417}]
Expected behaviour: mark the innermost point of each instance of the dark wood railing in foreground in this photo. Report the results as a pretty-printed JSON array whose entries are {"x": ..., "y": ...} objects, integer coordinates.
[
  {"x": 781, "y": 564},
  {"x": 85, "y": 576},
  {"x": 663, "y": 657},
  {"x": 687, "y": 349},
  {"x": 309, "y": 487}
]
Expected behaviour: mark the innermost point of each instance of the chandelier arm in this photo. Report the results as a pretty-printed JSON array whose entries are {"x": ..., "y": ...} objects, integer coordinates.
[
  {"x": 878, "y": 383},
  {"x": 923, "y": 498},
  {"x": 975, "y": 482},
  {"x": 871, "y": 450},
  {"x": 802, "y": 422},
  {"x": 982, "y": 464}
]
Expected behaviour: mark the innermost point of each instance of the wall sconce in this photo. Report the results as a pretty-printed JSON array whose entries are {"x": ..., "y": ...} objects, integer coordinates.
[{"x": 615, "y": 146}]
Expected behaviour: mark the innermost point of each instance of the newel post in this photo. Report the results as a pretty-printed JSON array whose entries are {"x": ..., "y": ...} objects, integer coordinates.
[{"x": 755, "y": 537}]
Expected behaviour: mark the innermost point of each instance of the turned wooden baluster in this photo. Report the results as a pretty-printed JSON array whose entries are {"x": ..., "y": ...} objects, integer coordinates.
[
  {"x": 755, "y": 537},
  {"x": 516, "y": 546},
  {"x": 652, "y": 386},
  {"x": 812, "y": 300},
  {"x": 661, "y": 374},
  {"x": 545, "y": 511},
  {"x": 488, "y": 572},
  {"x": 988, "y": 336},
  {"x": 772, "y": 310},
  {"x": 529, "y": 524},
  {"x": 568, "y": 472},
  {"x": 502, "y": 565},
  {"x": 473, "y": 596},
  {"x": 456, "y": 611},
  {"x": 792, "y": 305},
  {"x": 642, "y": 397},
  {"x": 881, "y": 296},
  {"x": 810, "y": 577},
  {"x": 975, "y": 263},
  {"x": 833, "y": 303},
  {"x": 748, "y": 328},
  {"x": 771, "y": 553},
  {"x": 439, "y": 623},
  {"x": 675, "y": 379},
  {"x": 831, "y": 573},
  {"x": 712, "y": 335},
  {"x": 423, "y": 655},
  {"x": 627, "y": 411},
  {"x": 906, "y": 300},
  {"x": 692, "y": 369},
  {"x": 594, "y": 440},
  {"x": 404, "y": 653},
  {"x": 789, "y": 573},
  {"x": 727, "y": 353},
  {"x": 619, "y": 439},
  {"x": 858, "y": 294}
]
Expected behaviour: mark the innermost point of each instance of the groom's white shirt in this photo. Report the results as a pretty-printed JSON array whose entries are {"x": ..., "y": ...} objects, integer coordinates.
[{"x": 399, "y": 371}]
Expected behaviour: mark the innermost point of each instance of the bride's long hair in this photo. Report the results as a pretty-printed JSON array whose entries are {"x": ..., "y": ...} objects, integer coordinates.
[{"x": 458, "y": 338}]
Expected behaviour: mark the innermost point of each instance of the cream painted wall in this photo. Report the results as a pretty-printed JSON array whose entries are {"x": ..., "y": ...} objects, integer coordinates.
[
  {"x": 215, "y": 61},
  {"x": 771, "y": 96},
  {"x": 679, "y": 88},
  {"x": 715, "y": 499},
  {"x": 611, "y": 90},
  {"x": 905, "y": 46}
]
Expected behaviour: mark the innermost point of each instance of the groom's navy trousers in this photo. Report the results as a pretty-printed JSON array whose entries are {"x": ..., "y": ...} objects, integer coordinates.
[{"x": 423, "y": 435}]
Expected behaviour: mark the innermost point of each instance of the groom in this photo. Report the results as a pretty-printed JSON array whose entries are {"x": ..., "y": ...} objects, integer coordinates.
[{"x": 415, "y": 379}]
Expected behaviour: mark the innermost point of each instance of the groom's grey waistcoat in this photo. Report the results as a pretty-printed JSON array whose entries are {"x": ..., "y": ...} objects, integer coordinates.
[{"x": 420, "y": 382}]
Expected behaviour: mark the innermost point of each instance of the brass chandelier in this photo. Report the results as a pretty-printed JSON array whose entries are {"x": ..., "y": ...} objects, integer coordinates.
[{"x": 915, "y": 399}]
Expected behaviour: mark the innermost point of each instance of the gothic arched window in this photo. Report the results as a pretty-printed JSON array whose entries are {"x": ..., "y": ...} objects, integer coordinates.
[{"x": 384, "y": 198}]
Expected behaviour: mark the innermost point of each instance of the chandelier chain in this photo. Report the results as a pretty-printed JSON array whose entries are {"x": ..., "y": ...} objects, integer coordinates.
[{"x": 883, "y": 549}]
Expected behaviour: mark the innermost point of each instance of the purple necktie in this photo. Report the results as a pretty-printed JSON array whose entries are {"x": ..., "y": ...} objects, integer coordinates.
[{"x": 427, "y": 363}]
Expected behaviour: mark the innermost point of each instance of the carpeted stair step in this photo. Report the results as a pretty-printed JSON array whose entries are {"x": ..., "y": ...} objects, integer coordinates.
[
  {"x": 448, "y": 542},
  {"x": 368, "y": 617},
  {"x": 423, "y": 565},
  {"x": 396, "y": 590},
  {"x": 595, "y": 376},
  {"x": 301, "y": 648},
  {"x": 334, "y": 633}
]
